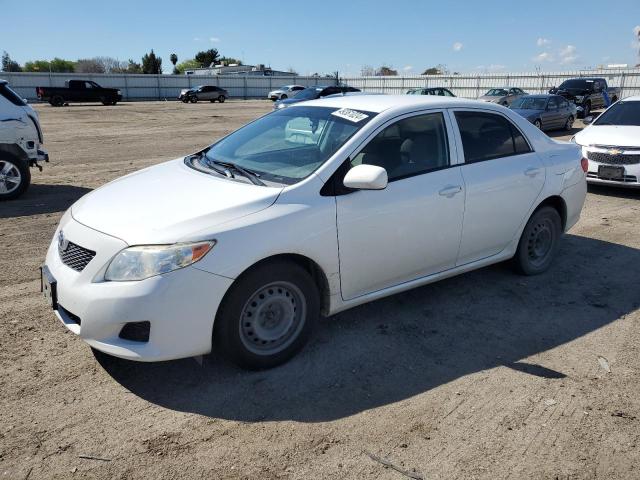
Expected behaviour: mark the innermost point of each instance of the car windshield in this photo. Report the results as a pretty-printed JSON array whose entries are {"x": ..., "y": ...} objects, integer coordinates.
[
  {"x": 287, "y": 145},
  {"x": 308, "y": 94},
  {"x": 530, "y": 103},
  {"x": 496, "y": 92},
  {"x": 576, "y": 84},
  {"x": 622, "y": 113}
]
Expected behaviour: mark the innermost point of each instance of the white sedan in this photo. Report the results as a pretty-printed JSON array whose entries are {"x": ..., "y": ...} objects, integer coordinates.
[
  {"x": 284, "y": 92},
  {"x": 307, "y": 211},
  {"x": 612, "y": 145}
]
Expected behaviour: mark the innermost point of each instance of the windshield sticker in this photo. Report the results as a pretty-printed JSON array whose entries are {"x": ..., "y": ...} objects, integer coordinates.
[{"x": 351, "y": 115}]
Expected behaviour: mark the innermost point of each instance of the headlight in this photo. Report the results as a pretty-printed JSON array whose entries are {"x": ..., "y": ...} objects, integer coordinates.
[
  {"x": 119, "y": 92},
  {"x": 281, "y": 105},
  {"x": 138, "y": 263}
]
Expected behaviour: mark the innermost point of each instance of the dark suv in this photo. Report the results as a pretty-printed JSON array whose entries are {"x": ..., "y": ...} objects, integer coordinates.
[
  {"x": 203, "y": 92},
  {"x": 587, "y": 93}
]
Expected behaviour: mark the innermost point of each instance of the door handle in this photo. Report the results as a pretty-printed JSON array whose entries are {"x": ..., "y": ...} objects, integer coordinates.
[
  {"x": 450, "y": 190},
  {"x": 532, "y": 172}
]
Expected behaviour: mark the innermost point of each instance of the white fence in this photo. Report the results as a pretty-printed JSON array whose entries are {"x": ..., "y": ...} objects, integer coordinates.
[{"x": 159, "y": 87}]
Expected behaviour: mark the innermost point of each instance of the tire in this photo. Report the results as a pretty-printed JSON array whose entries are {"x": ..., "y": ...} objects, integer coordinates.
[
  {"x": 267, "y": 316},
  {"x": 538, "y": 124},
  {"x": 105, "y": 101},
  {"x": 57, "y": 101},
  {"x": 283, "y": 96},
  {"x": 586, "y": 110},
  {"x": 568, "y": 126},
  {"x": 194, "y": 99},
  {"x": 539, "y": 242},
  {"x": 185, "y": 100},
  {"x": 221, "y": 99},
  {"x": 15, "y": 177}
]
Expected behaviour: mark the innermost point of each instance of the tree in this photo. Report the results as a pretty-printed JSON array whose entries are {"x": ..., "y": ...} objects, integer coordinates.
[
  {"x": 187, "y": 65},
  {"x": 367, "y": 71},
  {"x": 207, "y": 57},
  {"x": 230, "y": 61},
  {"x": 57, "y": 65},
  {"x": 9, "y": 65},
  {"x": 385, "y": 71},
  {"x": 173, "y": 58},
  {"x": 89, "y": 65},
  {"x": 439, "y": 69},
  {"x": 151, "y": 64}
]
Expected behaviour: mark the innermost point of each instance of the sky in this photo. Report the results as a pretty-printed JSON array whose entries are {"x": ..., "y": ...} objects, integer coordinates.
[{"x": 328, "y": 35}]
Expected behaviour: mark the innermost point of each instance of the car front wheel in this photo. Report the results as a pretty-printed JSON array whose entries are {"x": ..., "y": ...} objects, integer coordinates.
[
  {"x": 538, "y": 124},
  {"x": 283, "y": 96},
  {"x": 539, "y": 242},
  {"x": 268, "y": 315},
  {"x": 15, "y": 178},
  {"x": 221, "y": 99},
  {"x": 194, "y": 99}
]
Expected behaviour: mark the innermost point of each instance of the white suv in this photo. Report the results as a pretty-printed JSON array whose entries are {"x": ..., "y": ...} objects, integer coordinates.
[{"x": 20, "y": 143}]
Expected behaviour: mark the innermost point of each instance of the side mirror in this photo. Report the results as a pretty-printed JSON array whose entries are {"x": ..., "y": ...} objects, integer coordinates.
[
  {"x": 588, "y": 120},
  {"x": 366, "y": 177}
]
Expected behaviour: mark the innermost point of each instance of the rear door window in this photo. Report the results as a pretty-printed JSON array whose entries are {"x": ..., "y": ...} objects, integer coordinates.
[{"x": 486, "y": 136}]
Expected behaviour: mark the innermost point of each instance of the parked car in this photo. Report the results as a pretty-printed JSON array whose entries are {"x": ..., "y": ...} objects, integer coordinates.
[
  {"x": 20, "y": 143},
  {"x": 587, "y": 93},
  {"x": 312, "y": 93},
  {"x": 439, "y": 91},
  {"x": 248, "y": 268},
  {"x": 546, "y": 112},
  {"x": 503, "y": 96},
  {"x": 79, "y": 91},
  {"x": 284, "y": 92},
  {"x": 611, "y": 143},
  {"x": 203, "y": 92}
]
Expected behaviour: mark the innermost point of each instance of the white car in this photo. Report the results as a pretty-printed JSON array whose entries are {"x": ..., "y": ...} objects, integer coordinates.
[
  {"x": 612, "y": 145},
  {"x": 284, "y": 92},
  {"x": 20, "y": 143},
  {"x": 309, "y": 210}
]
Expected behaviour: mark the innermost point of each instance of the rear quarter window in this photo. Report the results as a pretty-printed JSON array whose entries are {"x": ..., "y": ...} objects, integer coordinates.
[{"x": 10, "y": 95}]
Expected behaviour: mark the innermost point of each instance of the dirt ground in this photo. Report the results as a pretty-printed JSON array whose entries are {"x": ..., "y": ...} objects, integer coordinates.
[{"x": 488, "y": 375}]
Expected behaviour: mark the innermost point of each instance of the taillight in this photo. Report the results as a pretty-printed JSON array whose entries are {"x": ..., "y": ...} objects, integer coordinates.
[{"x": 584, "y": 163}]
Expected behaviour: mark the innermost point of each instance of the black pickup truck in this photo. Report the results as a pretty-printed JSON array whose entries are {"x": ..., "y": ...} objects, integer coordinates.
[
  {"x": 587, "y": 93},
  {"x": 79, "y": 91}
]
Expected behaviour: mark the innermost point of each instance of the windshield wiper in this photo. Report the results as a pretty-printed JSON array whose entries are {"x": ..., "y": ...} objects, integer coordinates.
[
  {"x": 252, "y": 176},
  {"x": 224, "y": 173}
]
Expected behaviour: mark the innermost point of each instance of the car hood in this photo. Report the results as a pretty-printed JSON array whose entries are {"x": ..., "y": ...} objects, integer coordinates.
[
  {"x": 168, "y": 202},
  {"x": 527, "y": 112},
  {"x": 610, "y": 135}
]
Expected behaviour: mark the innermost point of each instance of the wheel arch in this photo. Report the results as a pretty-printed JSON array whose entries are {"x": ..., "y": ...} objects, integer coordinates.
[
  {"x": 311, "y": 266},
  {"x": 557, "y": 202},
  {"x": 13, "y": 150}
]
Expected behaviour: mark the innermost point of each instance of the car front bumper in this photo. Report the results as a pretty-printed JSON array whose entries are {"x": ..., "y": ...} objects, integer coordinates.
[
  {"x": 180, "y": 306},
  {"x": 629, "y": 179}
]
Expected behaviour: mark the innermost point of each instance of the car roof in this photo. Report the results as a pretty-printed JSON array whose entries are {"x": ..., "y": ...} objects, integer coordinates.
[
  {"x": 635, "y": 98},
  {"x": 381, "y": 103},
  {"x": 2, "y": 81}
]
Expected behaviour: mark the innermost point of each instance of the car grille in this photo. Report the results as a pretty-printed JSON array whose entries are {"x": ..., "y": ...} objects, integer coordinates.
[
  {"x": 614, "y": 159},
  {"x": 76, "y": 257}
]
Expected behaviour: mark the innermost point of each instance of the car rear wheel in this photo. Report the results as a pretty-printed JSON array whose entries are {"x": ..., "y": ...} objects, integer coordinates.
[
  {"x": 569, "y": 124},
  {"x": 57, "y": 101},
  {"x": 538, "y": 124},
  {"x": 268, "y": 315},
  {"x": 539, "y": 242},
  {"x": 586, "y": 111},
  {"x": 221, "y": 99},
  {"x": 15, "y": 177}
]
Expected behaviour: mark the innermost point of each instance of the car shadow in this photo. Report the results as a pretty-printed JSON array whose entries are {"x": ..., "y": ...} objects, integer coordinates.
[
  {"x": 401, "y": 346},
  {"x": 39, "y": 199},
  {"x": 562, "y": 132},
  {"x": 613, "y": 191}
]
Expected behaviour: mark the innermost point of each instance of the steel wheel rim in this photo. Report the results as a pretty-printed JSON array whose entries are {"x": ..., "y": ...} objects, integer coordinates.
[
  {"x": 272, "y": 318},
  {"x": 540, "y": 242},
  {"x": 538, "y": 124},
  {"x": 10, "y": 177},
  {"x": 569, "y": 123}
]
